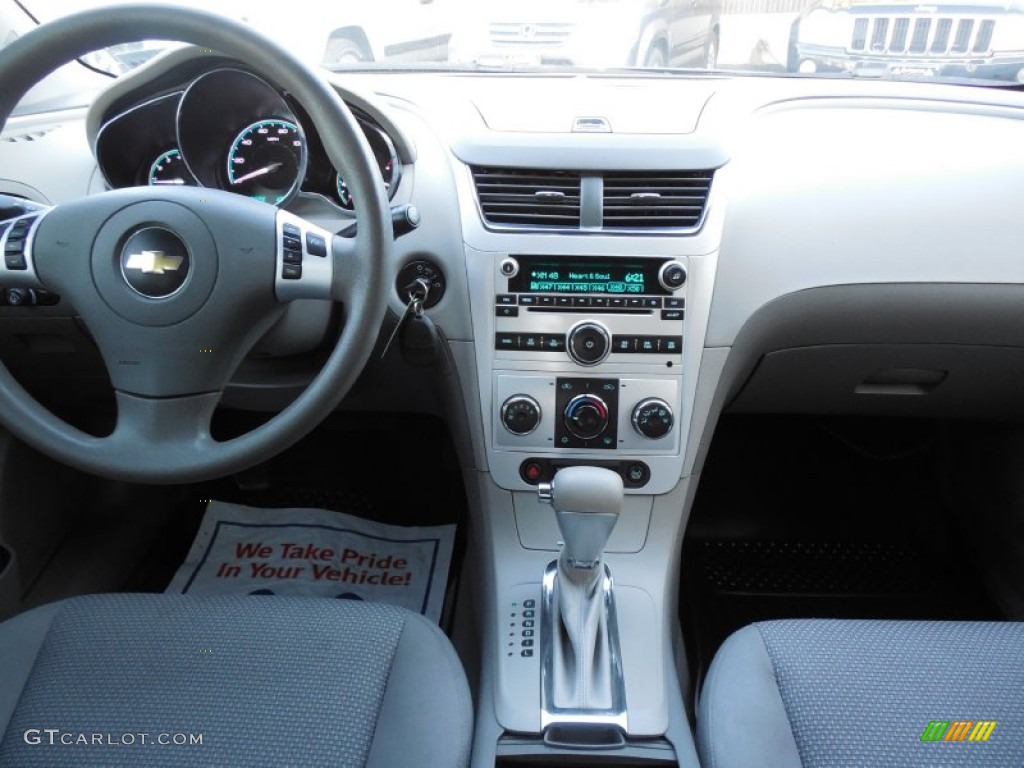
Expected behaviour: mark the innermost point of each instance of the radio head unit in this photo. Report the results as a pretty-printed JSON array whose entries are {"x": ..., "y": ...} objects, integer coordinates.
[{"x": 602, "y": 276}]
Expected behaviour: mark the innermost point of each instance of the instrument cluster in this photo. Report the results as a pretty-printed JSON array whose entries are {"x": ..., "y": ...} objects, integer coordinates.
[{"x": 229, "y": 129}]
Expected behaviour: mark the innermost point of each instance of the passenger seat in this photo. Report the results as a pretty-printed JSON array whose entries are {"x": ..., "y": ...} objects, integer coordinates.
[{"x": 838, "y": 693}]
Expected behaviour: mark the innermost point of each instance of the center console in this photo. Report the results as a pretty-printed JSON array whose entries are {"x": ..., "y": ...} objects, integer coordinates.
[{"x": 586, "y": 366}]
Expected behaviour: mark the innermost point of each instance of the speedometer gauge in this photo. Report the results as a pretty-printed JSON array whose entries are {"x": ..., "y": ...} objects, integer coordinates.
[
  {"x": 267, "y": 161},
  {"x": 169, "y": 168}
]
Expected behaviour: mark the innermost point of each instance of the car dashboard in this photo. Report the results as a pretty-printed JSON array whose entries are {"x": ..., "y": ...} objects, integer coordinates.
[{"x": 614, "y": 261}]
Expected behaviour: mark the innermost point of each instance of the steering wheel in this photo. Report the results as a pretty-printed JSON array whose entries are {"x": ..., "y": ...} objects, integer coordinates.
[{"x": 175, "y": 285}]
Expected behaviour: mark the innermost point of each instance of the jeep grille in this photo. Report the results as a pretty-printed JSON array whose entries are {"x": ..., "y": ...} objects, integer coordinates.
[{"x": 923, "y": 36}]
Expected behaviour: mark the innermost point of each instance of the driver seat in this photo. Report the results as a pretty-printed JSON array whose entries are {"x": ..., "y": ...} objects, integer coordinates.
[{"x": 261, "y": 680}]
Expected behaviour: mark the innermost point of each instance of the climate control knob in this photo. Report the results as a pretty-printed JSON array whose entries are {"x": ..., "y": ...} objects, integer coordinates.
[
  {"x": 586, "y": 416},
  {"x": 588, "y": 343},
  {"x": 652, "y": 418},
  {"x": 520, "y": 414}
]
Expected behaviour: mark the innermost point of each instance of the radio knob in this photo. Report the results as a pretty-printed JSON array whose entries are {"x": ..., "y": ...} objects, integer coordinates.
[
  {"x": 586, "y": 416},
  {"x": 520, "y": 414},
  {"x": 652, "y": 418},
  {"x": 588, "y": 343},
  {"x": 672, "y": 275},
  {"x": 509, "y": 267}
]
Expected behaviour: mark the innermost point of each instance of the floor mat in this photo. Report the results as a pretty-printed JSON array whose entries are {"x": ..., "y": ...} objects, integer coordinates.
[
  {"x": 822, "y": 518},
  {"x": 317, "y": 552}
]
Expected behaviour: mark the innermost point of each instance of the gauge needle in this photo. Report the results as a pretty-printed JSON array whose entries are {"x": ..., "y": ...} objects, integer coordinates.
[
  {"x": 168, "y": 181},
  {"x": 258, "y": 172}
]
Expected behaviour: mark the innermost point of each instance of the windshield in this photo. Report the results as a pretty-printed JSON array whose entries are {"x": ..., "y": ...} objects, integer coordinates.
[{"x": 966, "y": 41}]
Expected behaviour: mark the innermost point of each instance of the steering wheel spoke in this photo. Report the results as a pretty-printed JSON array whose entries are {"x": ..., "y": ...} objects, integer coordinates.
[{"x": 162, "y": 432}]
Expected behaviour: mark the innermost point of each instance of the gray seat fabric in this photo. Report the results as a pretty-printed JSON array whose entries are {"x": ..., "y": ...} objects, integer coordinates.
[
  {"x": 834, "y": 693},
  {"x": 261, "y": 680}
]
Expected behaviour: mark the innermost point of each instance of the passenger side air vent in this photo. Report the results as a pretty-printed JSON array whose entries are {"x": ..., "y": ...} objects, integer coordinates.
[
  {"x": 655, "y": 199},
  {"x": 517, "y": 197}
]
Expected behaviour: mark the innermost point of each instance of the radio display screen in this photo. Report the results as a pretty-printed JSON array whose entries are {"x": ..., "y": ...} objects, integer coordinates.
[{"x": 587, "y": 274}]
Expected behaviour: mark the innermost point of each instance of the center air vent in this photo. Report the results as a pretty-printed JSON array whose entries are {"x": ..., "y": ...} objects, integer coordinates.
[
  {"x": 655, "y": 199},
  {"x": 529, "y": 198}
]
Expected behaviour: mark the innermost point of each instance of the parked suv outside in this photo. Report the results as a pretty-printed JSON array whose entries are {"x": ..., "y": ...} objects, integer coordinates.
[
  {"x": 346, "y": 32},
  {"x": 590, "y": 33},
  {"x": 966, "y": 38}
]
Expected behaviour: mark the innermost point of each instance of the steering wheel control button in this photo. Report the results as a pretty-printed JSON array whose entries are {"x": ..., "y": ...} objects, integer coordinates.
[
  {"x": 14, "y": 243},
  {"x": 303, "y": 271},
  {"x": 155, "y": 262},
  {"x": 509, "y": 267},
  {"x": 672, "y": 275},
  {"x": 589, "y": 409},
  {"x": 520, "y": 414},
  {"x": 316, "y": 245},
  {"x": 588, "y": 343},
  {"x": 652, "y": 418}
]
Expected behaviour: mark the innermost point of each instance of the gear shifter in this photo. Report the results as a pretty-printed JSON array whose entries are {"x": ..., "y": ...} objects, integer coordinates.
[{"x": 587, "y": 502}]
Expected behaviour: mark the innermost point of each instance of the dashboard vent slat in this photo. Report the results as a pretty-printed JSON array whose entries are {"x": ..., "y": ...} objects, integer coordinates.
[
  {"x": 528, "y": 198},
  {"x": 655, "y": 199}
]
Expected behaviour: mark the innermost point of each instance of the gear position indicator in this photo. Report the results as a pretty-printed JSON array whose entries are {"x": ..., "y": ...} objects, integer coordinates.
[{"x": 589, "y": 413}]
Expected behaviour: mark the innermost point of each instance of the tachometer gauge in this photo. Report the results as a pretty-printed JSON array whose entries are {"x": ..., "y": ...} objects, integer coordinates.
[
  {"x": 169, "y": 168},
  {"x": 267, "y": 161}
]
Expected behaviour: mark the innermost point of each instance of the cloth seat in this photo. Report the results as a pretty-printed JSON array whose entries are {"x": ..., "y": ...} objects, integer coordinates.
[
  {"x": 261, "y": 681},
  {"x": 835, "y": 693}
]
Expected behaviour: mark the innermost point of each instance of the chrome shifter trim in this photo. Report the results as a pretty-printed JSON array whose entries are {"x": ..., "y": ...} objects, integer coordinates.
[{"x": 616, "y": 715}]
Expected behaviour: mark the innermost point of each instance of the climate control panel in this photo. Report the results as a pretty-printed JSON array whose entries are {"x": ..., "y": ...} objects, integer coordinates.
[{"x": 575, "y": 413}]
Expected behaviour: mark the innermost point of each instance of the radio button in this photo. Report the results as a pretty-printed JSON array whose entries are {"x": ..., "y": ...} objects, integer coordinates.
[
  {"x": 553, "y": 343},
  {"x": 529, "y": 341},
  {"x": 647, "y": 344},
  {"x": 546, "y": 301},
  {"x": 672, "y": 344},
  {"x": 635, "y": 303},
  {"x": 503, "y": 311},
  {"x": 527, "y": 300},
  {"x": 617, "y": 302},
  {"x": 624, "y": 344},
  {"x": 505, "y": 298},
  {"x": 673, "y": 303},
  {"x": 588, "y": 343},
  {"x": 599, "y": 301},
  {"x": 563, "y": 301},
  {"x": 581, "y": 301},
  {"x": 652, "y": 302},
  {"x": 506, "y": 341},
  {"x": 671, "y": 314}
]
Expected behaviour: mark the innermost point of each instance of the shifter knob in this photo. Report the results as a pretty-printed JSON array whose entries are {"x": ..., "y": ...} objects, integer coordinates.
[{"x": 587, "y": 502}]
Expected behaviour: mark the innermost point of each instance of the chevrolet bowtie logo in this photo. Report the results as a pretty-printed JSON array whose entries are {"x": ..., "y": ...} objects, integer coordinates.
[{"x": 153, "y": 262}]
